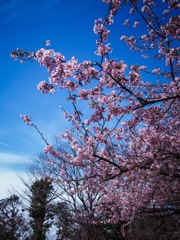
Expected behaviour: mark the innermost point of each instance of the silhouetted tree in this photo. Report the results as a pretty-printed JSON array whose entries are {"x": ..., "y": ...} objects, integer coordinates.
[
  {"x": 40, "y": 210},
  {"x": 13, "y": 225}
]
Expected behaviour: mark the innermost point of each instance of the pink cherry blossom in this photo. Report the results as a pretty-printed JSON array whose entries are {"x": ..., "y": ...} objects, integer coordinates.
[
  {"x": 47, "y": 43},
  {"x": 26, "y": 119},
  {"x": 126, "y": 23}
]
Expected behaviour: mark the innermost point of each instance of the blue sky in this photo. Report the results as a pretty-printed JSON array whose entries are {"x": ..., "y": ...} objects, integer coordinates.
[
  {"x": 68, "y": 24},
  {"x": 27, "y": 24}
]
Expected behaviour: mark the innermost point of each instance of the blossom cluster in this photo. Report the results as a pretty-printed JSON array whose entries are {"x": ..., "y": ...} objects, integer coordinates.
[{"x": 26, "y": 119}]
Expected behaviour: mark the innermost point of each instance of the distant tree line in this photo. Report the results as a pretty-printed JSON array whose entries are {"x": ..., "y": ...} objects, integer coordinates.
[
  {"x": 48, "y": 219},
  {"x": 56, "y": 206}
]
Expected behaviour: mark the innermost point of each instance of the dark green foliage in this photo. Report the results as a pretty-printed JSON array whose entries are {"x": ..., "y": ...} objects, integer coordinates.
[
  {"x": 111, "y": 231},
  {"x": 40, "y": 210}
]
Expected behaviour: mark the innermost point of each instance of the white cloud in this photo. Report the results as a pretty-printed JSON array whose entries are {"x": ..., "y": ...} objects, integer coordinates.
[
  {"x": 10, "y": 179},
  {"x": 10, "y": 182},
  {"x": 13, "y": 158}
]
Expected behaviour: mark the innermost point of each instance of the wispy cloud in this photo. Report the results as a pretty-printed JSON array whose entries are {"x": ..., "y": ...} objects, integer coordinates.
[
  {"x": 13, "y": 9},
  {"x": 10, "y": 181},
  {"x": 17, "y": 9},
  {"x": 4, "y": 144},
  {"x": 13, "y": 158}
]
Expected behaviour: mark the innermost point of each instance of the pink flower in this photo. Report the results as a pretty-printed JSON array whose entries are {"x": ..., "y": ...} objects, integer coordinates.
[
  {"x": 47, "y": 43},
  {"x": 45, "y": 87},
  {"x": 166, "y": 12},
  {"x": 126, "y": 23},
  {"x": 156, "y": 70},
  {"x": 136, "y": 24},
  {"x": 145, "y": 8},
  {"x": 14, "y": 55},
  {"x": 132, "y": 11},
  {"x": 26, "y": 119},
  {"x": 103, "y": 49},
  {"x": 48, "y": 148}
]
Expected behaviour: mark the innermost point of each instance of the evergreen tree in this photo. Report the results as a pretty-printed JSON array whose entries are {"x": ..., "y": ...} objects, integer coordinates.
[{"x": 40, "y": 210}]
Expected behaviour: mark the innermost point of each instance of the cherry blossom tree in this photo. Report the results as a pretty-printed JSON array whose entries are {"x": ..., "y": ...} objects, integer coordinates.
[
  {"x": 129, "y": 140},
  {"x": 82, "y": 221}
]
